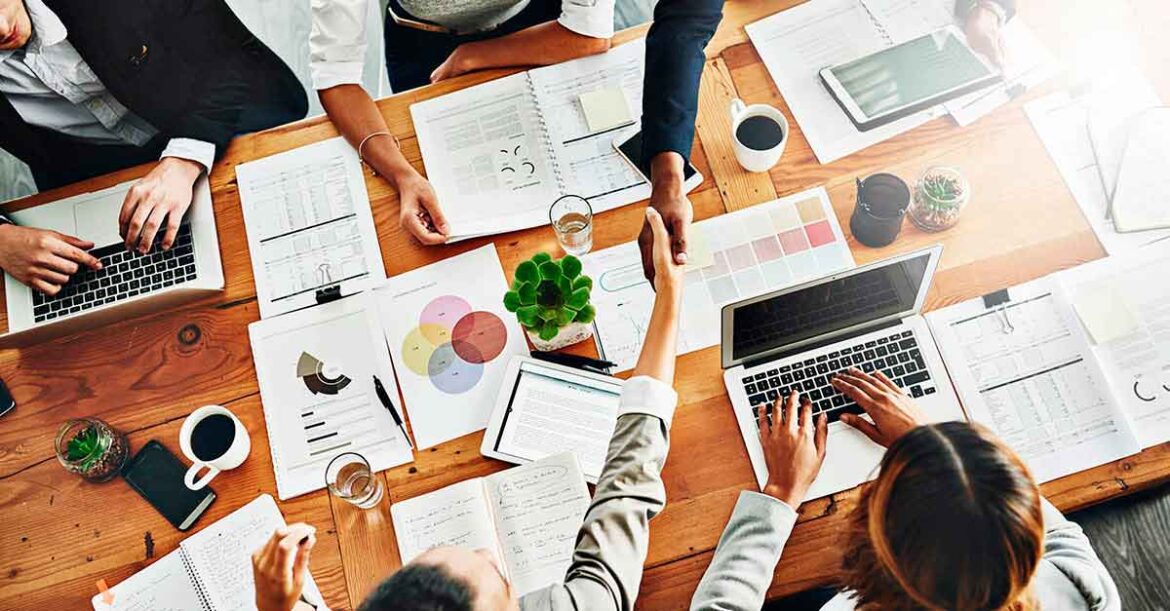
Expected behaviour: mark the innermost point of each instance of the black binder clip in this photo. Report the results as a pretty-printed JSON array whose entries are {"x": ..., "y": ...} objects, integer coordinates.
[
  {"x": 329, "y": 293},
  {"x": 998, "y": 302}
]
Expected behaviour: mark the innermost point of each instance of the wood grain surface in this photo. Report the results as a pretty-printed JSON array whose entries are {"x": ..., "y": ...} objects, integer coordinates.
[{"x": 59, "y": 535}]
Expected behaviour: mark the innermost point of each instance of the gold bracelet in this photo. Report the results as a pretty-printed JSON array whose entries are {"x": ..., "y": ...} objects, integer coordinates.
[{"x": 362, "y": 145}]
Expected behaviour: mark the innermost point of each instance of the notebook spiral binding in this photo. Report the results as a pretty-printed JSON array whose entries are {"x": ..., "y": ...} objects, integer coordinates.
[
  {"x": 550, "y": 152},
  {"x": 204, "y": 599},
  {"x": 877, "y": 24}
]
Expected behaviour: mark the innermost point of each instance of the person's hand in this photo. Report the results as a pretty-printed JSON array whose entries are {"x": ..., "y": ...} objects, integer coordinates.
[
  {"x": 43, "y": 259},
  {"x": 894, "y": 413},
  {"x": 668, "y": 274},
  {"x": 162, "y": 196},
  {"x": 794, "y": 448},
  {"x": 458, "y": 62},
  {"x": 420, "y": 213},
  {"x": 668, "y": 198},
  {"x": 279, "y": 568},
  {"x": 984, "y": 33}
]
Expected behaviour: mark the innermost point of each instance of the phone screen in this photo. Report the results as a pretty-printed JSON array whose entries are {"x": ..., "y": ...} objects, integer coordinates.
[
  {"x": 632, "y": 149},
  {"x": 158, "y": 476}
]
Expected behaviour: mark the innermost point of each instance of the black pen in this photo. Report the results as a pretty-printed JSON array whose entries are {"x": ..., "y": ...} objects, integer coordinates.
[{"x": 385, "y": 399}]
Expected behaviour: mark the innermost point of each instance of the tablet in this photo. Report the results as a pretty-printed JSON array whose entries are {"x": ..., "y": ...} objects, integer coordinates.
[
  {"x": 907, "y": 78},
  {"x": 545, "y": 409}
]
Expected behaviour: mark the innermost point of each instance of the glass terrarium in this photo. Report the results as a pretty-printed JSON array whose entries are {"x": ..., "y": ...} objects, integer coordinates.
[
  {"x": 939, "y": 199},
  {"x": 91, "y": 448}
]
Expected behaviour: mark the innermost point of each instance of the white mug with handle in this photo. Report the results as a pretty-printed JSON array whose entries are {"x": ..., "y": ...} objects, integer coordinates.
[
  {"x": 230, "y": 457},
  {"x": 754, "y": 159}
]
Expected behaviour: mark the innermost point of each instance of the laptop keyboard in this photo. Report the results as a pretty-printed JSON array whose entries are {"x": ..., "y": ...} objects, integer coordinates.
[
  {"x": 896, "y": 355},
  {"x": 124, "y": 274}
]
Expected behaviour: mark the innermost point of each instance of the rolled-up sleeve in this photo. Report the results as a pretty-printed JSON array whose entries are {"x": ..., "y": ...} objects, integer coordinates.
[
  {"x": 337, "y": 42},
  {"x": 593, "y": 18}
]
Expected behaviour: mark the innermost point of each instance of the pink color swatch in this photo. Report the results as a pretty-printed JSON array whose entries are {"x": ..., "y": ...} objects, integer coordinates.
[
  {"x": 820, "y": 233},
  {"x": 767, "y": 249},
  {"x": 793, "y": 241}
]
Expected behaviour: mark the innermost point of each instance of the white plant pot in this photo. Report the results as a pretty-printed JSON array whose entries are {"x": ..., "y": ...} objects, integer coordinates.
[{"x": 567, "y": 336}]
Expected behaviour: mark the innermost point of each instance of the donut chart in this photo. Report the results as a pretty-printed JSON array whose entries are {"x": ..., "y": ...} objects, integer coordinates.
[{"x": 452, "y": 343}]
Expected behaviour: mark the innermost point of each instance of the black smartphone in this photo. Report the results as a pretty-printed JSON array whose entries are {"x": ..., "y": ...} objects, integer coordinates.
[
  {"x": 7, "y": 403},
  {"x": 158, "y": 476},
  {"x": 631, "y": 149}
]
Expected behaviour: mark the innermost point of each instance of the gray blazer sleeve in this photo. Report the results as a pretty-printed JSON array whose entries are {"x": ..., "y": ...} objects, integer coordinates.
[
  {"x": 746, "y": 556},
  {"x": 612, "y": 543},
  {"x": 1071, "y": 575}
]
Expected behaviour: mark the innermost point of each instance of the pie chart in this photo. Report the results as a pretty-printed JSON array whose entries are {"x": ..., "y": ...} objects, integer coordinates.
[{"x": 452, "y": 343}]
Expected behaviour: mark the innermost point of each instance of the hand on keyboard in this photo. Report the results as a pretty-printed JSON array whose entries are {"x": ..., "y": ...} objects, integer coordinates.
[
  {"x": 794, "y": 447},
  {"x": 894, "y": 413}
]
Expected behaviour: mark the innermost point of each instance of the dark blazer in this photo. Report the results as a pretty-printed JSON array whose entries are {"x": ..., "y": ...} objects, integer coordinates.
[{"x": 188, "y": 67}]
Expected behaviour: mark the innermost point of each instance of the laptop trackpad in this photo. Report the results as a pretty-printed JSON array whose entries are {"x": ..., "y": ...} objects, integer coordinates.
[{"x": 97, "y": 219}]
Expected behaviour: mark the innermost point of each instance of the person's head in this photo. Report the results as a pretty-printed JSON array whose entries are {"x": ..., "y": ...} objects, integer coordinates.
[
  {"x": 445, "y": 579},
  {"x": 953, "y": 521},
  {"x": 15, "y": 26}
]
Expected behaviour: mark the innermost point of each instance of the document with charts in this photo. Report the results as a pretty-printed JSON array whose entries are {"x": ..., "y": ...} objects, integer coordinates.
[
  {"x": 309, "y": 226},
  {"x": 499, "y": 154},
  {"x": 752, "y": 251},
  {"x": 527, "y": 517},
  {"x": 316, "y": 371},
  {"x": 1026, "y": 369}
]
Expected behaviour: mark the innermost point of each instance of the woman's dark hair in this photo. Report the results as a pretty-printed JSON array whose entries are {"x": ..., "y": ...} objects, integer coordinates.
[
  {"x": 953, "y": 522},
  {"x": 419, "y": 587}
]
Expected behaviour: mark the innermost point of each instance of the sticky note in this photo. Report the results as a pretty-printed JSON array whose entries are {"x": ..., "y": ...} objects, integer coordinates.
[
  {"x": 1104, "y": 311},
  {"x": 699, "y": 253},
  {"x": 104, "y": 590},
  {"x": 605, "y": 109}
]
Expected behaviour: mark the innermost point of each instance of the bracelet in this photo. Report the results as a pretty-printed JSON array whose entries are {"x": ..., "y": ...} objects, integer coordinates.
[{"x": 362, "y": 145}]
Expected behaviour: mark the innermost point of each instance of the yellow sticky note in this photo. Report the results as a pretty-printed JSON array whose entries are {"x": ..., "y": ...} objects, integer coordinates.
[
  {"x": 605, "y": 109},
  {"x": 699, "y": 253},
  {"x": 1104, "y": 311}
]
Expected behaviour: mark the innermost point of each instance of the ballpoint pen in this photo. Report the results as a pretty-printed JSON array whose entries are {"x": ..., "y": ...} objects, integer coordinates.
[{"x": 384, "y": 397}]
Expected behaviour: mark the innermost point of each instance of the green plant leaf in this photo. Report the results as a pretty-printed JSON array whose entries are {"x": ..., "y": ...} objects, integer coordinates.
[
  {"x": 565, "y": 285},
  {"x": 565, "y": 316},
  {"x": 516, "y": 284},
  {"x": 587, "y": 314},
  {"x": 582, "y": 281},
  {"x": 547, "y": 314},
  {"x": 549, "y": 330},
  {"x": 541, "y": 257},
  {"x": 511, "y": 301},
  {"x": 571, "y": 266},
  {"x": 528, "y": 315},
  {"x": 579, "y": 299},
  {"x": 527, "y": 272},
  {"x": 549, "y": 270},
  {"x": 527, "y": 294}
]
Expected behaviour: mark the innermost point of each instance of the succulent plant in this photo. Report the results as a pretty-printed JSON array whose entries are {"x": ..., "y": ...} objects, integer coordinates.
[{"x": 547, "y": 295}]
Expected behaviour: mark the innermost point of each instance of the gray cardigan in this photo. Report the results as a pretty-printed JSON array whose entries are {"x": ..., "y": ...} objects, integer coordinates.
[{"x": 1070, "y": 576}]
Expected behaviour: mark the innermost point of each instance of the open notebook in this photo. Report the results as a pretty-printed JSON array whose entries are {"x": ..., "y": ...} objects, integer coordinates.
[
  {"x": 527, "y": 517},
  {"x": 211, "y": 570},
  {"x": 499, "y": 154}
]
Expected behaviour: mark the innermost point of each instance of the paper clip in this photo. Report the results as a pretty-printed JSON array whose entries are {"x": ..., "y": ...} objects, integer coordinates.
[
  {"x": 1005, "y": 321},
  {"x": 997, "y": 302},
  {"x": 323, "y": 274}
]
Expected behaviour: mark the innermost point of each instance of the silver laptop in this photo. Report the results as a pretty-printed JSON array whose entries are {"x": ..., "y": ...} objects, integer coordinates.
[
  {"x": 129, "y": 283},
  {"x": 868, "y": 318}
]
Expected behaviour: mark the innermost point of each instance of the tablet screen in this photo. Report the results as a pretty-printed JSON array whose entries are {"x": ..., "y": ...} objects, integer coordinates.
[
  {"x": 911, "y": 72},
  {"x": 553, "y": 411}
]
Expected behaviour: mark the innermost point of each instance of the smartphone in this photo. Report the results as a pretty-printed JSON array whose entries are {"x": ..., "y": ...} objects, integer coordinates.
[
  {"x": 904, "y": 79},
  {"x": 157, "y": 475},
  {"x": 631, "y": 149},
  {"x": 7, "y": 403}
]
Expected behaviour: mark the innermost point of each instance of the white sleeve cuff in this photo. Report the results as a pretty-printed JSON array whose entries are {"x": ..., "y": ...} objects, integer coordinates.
[
  {"x": 190, "y": 149},
  {"x": 332, "y": 74},
  {"x": 773, "y": 509},
  {"x": 648, "y": 396}
]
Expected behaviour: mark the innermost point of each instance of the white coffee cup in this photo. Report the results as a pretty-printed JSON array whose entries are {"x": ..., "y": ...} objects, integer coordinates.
[
  {"x": 754, "y": 160},
  {"x": 231, "y": 458}
]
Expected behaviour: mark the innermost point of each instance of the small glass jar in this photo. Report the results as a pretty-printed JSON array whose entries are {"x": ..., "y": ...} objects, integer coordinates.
[
  {"x": 939, "y": 199},
  {"x": 91, "y": 448}
]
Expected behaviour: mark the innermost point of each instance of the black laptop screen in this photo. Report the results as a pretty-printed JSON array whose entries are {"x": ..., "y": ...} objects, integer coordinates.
[{"x": 821, "y": 309}]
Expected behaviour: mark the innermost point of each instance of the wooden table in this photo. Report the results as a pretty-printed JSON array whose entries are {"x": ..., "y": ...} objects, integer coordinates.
[{"x": 59, "y": 535}]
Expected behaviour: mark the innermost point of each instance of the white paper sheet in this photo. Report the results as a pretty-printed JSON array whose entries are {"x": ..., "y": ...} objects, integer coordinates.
[
  {"x": 1136, "y": 362},
  {"x": 163, "y": 586},
  {"x": 763, "y": 248},
  {"x": 1039, "y": 386},
  {"x": 309, "y": 226},
  {"x": 457, "y": 515},
  {"x": 316, "y": 370},
  {"x": 451, "y": 340},
  {"x": 1027, "y": 63},
  {"x": 1143, "y": 181}
]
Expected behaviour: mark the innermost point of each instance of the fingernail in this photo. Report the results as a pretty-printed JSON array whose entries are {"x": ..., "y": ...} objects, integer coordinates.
[{"x": 682, "y": 258}]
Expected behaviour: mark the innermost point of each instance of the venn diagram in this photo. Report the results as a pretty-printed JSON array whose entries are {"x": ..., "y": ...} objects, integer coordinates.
[{"x": 452, "y": 343}]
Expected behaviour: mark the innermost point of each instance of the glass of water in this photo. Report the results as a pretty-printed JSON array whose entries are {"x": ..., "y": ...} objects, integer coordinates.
[
  {"x": 351, "y": 479},
  {"x": 572, "y": 220}
]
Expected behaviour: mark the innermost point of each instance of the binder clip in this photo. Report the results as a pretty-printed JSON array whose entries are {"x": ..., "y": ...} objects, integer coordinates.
[
  {"x": 997, "y": 302},
  {"x": 326, "y": 294}
]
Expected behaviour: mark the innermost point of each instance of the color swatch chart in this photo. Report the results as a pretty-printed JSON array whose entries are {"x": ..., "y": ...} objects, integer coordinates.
[{"x": 735, "y": 256}]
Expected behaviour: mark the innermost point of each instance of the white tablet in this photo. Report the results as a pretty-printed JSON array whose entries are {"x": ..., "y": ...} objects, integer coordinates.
[{"x": 544, "y": 409}]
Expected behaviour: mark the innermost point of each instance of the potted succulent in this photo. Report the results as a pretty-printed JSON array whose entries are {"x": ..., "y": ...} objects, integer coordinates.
[
  {"x": 939, "y": 199},
  {"x": 551, "y": 301},
  {"x": 91, "y": 448}
]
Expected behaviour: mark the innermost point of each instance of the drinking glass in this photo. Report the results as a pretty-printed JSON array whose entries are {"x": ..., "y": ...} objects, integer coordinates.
[
  {"x": 572, "y": 220},
  {"x": 351, "y": 479}
]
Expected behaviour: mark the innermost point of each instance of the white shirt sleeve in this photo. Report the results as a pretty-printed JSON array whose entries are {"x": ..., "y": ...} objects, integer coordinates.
[
  {"x": 337, "y": 42},
  {"x": 649, "y": 396},
  {"x": 592, "y": 18},
  {"x": 190, "y": 149}
]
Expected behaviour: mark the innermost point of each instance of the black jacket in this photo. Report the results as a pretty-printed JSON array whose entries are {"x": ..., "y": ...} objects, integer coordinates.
[{"x": 188, "y": 67}]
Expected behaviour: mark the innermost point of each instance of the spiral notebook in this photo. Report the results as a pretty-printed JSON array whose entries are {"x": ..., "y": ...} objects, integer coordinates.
[
  {"x": 211, "y": 570},
  {"x": 499, "y": 154}
]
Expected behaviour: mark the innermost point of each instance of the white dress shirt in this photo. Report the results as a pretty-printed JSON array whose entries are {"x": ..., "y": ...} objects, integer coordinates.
[
  {"x": 337, "y": 42},
  {"x": 50, "y": 86}
]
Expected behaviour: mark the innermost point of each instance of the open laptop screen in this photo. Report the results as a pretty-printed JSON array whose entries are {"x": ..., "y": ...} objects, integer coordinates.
[{"x": 825, "y": 308}]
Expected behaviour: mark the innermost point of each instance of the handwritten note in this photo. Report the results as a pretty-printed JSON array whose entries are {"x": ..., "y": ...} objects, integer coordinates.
[{"x": 456, "y": 515}]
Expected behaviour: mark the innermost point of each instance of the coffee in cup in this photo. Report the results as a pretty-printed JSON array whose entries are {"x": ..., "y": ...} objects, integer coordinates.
[
  {"x": 759, "y": 133},
  {"x": 212, "y": 438}
]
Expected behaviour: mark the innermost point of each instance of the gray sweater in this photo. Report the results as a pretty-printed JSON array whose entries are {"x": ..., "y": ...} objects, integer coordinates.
[{"x": 1070, "y": 576}]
